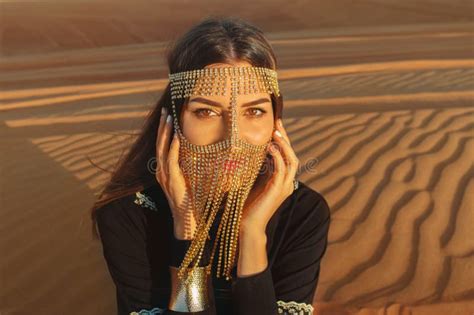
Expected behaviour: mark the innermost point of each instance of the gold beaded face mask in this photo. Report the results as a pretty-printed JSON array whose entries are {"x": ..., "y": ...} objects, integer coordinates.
[{"x": 224, "y": 172}]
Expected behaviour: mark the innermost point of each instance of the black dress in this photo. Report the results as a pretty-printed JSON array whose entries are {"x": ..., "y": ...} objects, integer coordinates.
[{"x": 139, "y": 246}]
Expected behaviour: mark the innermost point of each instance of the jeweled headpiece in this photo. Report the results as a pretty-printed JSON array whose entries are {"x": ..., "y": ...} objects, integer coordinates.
[{"x": 221, "y": 171}]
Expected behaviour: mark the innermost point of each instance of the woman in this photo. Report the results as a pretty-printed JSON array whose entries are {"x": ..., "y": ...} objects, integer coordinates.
[{"x": 224, "y": 182}]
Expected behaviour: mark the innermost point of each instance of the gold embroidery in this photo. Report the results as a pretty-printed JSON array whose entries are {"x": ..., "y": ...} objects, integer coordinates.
[
  {"x": 154, "y": 311},
  {"x": 144, "y": 201},
  {"x": 293, "y": 307}
]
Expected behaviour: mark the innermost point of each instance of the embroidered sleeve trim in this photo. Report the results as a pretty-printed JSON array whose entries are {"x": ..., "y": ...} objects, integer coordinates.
[
  {"x": 293, "y": 307},
  {"x": 144, "y": 201},
  {"x": 153, "y": 311}
]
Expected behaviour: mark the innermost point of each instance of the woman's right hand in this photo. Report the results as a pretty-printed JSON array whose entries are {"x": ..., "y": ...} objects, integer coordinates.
[{"x": 171, "y": 179}]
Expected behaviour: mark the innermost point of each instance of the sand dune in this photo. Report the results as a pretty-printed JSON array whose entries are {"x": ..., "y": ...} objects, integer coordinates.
[
  {"x": 381, "y": 119},
  {"x": 44, "y": 26}
]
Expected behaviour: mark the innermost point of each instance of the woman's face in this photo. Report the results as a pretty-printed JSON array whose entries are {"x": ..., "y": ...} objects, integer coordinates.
[{"x": 204, "y": 118}]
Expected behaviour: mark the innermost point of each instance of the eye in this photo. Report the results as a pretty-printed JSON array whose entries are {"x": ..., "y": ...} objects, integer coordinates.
[
  {"x": 204, "y": 113},
  {"x": 256, "y": 112}
]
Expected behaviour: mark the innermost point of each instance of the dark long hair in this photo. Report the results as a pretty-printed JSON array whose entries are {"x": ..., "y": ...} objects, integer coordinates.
[{"x": 213, "y": 40}]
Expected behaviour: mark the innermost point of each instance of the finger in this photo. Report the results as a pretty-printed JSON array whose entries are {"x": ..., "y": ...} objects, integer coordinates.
[
  {"x": 282, "y": 130},
  {"x": 158, "y": 142},
  {"x": 166, "y": 136},
  {"x": 163, "y": 144},
  {"x": 175, "y": 173},
  {"x": 289, "y": 154},
  {"x": 160, "y": 127},
  {"x": 292, "y": 161},
  {"x": 279, "y": 165}
]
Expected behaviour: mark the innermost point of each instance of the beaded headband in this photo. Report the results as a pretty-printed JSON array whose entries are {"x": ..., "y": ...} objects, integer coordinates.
[{"x": 212, "y": 82}]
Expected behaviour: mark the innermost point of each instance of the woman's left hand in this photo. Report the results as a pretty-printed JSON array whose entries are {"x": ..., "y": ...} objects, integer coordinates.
[{"x": 265, "y": 199}]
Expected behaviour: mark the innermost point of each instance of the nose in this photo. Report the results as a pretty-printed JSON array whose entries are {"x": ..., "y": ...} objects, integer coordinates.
[
  {"x": 242, "y": 130},
  {"x": 228, "y": 127},
  {"x": 233, "y": 125}
]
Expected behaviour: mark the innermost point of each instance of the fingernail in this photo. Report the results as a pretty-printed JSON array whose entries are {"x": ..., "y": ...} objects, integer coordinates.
[
  {"x": 163, "y": 110},
  {"x": 278, "y": 133},
  {"x": 168, "y": 119},
  {"x": 280, "y": 123}
]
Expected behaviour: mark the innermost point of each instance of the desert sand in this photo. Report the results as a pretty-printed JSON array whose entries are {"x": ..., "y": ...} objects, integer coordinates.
[{"x": 378, "y": 106}]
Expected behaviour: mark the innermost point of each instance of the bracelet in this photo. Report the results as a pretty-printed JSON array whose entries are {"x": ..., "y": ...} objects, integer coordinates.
[{"x": 191, "y": 294}]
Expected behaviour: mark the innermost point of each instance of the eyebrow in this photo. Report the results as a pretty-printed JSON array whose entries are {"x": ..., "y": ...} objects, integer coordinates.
[{"x": 217, "y": 104}]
